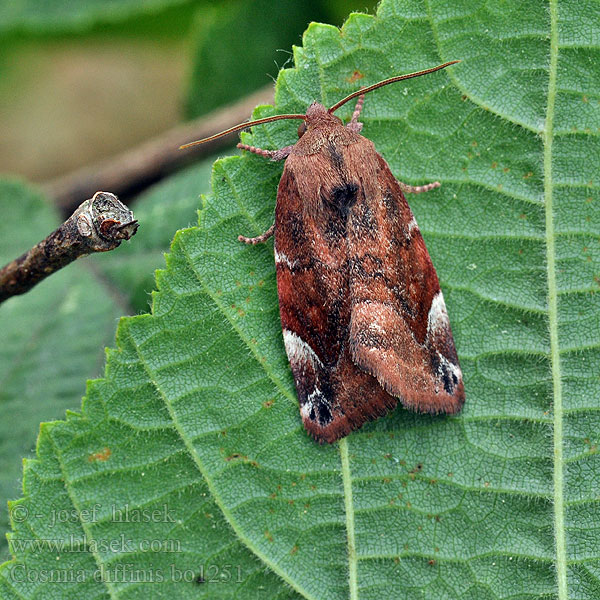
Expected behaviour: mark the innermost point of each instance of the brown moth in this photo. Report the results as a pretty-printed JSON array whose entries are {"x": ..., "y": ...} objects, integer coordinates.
[{"x": 363, "y": 317}]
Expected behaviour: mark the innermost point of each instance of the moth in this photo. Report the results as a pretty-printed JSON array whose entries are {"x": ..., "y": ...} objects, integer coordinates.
[{"x": 364, "y": 320}]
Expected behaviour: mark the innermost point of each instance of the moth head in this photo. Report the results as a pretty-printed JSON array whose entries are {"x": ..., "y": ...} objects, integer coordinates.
[
  {"x": 315, "y": 111},
  {"x": 317, "y": 114}
]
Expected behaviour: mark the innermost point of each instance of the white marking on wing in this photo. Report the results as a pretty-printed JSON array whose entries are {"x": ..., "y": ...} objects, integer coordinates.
[
  {"x": 438, "y": 316},
  {"x": 280, "y": 257},
  {"x": 305, "y": 409},
  {"x": 436, "y": 321},
  {"x": 411, "y": 226},
  {"x": 298, "y": 350}
]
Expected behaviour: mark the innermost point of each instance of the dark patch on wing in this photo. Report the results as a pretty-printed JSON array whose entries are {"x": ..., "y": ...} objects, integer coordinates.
[
  {"x": 400, "y": 242},
  {"x": 325, "y": 415},
  {"x": 321, "y": 412},
  {"x": 400, "y": 295},
  {"x": 337, "y": 207},
  {"x": 365, "y": 267},
  {"x": 344, "y": 197},
  {"x": 449, "y": 379},
  {"x": 320, "y": 392}
]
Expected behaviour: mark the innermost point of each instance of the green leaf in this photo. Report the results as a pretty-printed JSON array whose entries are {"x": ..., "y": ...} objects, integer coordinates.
[
  {"x": 198, "y": 409},
  {"x": 60, "y": 15}
]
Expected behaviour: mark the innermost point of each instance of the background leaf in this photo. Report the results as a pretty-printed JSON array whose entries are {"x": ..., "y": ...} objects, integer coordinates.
[
  {"x": 60, "y": 15},
  {"x": 498, "y": 502}
]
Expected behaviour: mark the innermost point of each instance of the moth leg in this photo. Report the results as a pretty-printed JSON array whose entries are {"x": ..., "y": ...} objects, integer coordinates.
[
  {"x": 280, "y": 154},
  {"x": 259, "y": 239},
  {"x": 354, "y": 125},
  {"x": 417, "y": 189}
]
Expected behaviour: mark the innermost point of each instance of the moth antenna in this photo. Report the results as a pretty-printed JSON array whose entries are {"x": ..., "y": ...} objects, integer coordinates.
[
  {"x": 242, "y": 126},
  {"x": 388, "y": 81}
]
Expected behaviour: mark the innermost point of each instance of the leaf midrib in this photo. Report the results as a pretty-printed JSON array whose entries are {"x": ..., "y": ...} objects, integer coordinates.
[
  {"x": 558, "y": 475},
  {"x": 349, "y": 509}
]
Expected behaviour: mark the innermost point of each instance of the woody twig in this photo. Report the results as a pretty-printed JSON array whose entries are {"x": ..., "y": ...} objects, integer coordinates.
[{"x": 97, "y": 225}]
